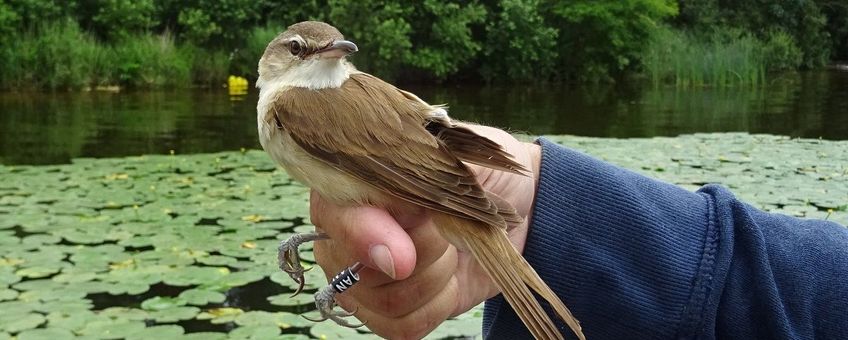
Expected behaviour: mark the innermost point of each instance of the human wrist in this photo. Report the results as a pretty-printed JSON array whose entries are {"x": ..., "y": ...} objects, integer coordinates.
[{"x": 534, "y": 151}]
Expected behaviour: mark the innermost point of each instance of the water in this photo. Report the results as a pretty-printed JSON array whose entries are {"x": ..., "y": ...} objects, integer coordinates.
[{"x": 50, "y": 128}]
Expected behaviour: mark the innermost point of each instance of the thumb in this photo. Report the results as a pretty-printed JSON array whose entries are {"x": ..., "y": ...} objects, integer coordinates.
[{"x": 370, "y": 235}]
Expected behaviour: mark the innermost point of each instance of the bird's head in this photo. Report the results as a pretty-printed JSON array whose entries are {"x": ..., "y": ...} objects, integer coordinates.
[{"x": 307, "y": 54}]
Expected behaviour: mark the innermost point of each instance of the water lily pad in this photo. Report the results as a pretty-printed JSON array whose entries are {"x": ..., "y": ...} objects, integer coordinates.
[
  {"x": 37, "y": 272},
  {"x": 14, "y": 322},
  {"x": 329, "y": 330},
  {"x": 7, "y": 278},
  {"x": 314, "y": 279},
  {"x": 72, "y": 321},
  {"x": 220, "y": 315},
  {"x": 287, "y": 300},
  {"x": 278, "y": 319},
  {"x": 174, "y": 314},
  {"x": 46, "y": 334},
  {"x": 204, "y": 336},
  {"x": 216, "y": 260},
  {"x": 8, "y": 294},
  {"x": 64, "y": 306},
  {"x": 130, "y": 288},
  {"x": 162, "y": 303},
  {"x": 201, "y": 297},
  {"x": 158, "y": 332},
  {"x": 193, "y": 275},
  {"x": 112, "y": 329},
  {"x": 256, "y": 332},
  {"x": 125, "y": 313}
]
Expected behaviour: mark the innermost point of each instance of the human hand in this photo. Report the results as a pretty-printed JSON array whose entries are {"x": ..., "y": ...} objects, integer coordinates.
[{"x": 414, "y": 278}]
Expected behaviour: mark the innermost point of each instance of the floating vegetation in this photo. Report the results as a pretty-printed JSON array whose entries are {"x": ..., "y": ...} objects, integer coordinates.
[{"x": 184, "y": 246}]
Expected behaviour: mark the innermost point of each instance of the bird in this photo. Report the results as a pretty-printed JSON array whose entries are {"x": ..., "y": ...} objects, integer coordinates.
[{"x": 358, "y": 140}]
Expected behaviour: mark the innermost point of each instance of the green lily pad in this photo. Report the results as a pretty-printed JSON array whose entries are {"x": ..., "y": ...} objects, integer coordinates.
[
  {"x": 329, "y": 330},
  {"x": 158, "y": 332},
  {"x": 130, "y": 288},
  {"x": 204, "y": 336},
  {"x": 314, "y": 279},
  {"x": 287, "y": 300},
  {"x": 220, "y": 315},
  {"x": 196, "y": 275},
  {"x": 256, "y": 332},
  {"x": 125, "y": 313},
  {"x": 162, "y": 303},
  {"x": 216, "y": 260},
  {"x": 37, "y": 272},
  {"x": 13, "y": 322},
  {"x": 45, "y": 334},
  {"x": 279, "y": 319},
  {"x": 64, "y": 306},
  {"x": 174, "y": 314},
  {"x": 72, "y": 321},
  {"x": 112, "y": 329},
  {"x": 201, "y": 297},
  {"x": 8, "y": 294}
]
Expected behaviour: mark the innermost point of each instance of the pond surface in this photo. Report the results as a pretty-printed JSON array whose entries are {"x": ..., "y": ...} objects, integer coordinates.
[{"x": 51, "y": 128}]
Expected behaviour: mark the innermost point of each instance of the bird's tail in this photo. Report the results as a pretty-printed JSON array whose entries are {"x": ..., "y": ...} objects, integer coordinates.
[{"x": 491, "y": 247}]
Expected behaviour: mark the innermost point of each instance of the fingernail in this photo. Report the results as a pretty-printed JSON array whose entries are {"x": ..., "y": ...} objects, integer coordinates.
[{"x": 383, "y": 259}]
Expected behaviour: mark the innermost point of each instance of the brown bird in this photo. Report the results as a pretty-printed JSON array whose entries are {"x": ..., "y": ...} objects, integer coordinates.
[{"x": 359, "y": 140}]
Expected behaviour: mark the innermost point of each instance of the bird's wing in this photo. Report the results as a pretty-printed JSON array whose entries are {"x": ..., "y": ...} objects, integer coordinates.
[{"x": 372, "y": 131}]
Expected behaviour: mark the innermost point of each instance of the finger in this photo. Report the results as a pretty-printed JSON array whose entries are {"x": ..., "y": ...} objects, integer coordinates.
[
  {"x": 393, "y": 299},
  {"x": 429, "y": 247},
  {"x": 370, "y": 235},
  {"x": 413, "y": 325}
]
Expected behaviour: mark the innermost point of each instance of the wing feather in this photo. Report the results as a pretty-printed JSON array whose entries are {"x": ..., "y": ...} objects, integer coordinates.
[{"x": 372, "y": 131}]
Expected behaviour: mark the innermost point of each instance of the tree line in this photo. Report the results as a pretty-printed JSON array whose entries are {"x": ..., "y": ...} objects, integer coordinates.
[{"x": 155, "y": 43}]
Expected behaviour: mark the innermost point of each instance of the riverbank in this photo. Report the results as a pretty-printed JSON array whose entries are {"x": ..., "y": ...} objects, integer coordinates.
[{"x": 166, "y": 245}]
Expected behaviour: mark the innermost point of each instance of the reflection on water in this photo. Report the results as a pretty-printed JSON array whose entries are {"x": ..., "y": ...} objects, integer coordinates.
[{"x": 53, "y": 128}]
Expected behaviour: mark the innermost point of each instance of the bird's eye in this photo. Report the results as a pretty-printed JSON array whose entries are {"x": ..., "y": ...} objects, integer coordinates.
[{"x": 295, "y": 48}]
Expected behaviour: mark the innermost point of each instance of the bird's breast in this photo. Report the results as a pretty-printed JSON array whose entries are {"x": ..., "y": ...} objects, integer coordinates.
[{"x": 332, "y": 183}]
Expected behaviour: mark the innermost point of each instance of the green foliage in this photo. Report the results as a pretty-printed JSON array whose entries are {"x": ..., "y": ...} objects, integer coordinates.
[
  {"x": 519, "y": 45},
  {"x": 430, "y": 40},
  {"x": 60, "y": 55},
  {"x": 699, "y": 15},
  {"x": 803, "y": 20},
  {"x": 446, "y": 43},
  {"x": 599, "y": 40},
  {"x": 726, "y": 58},
  {"x": 9, "y": 21},
  {"x": 246, "y": 59},
  {"x": 381, "y": 30},
  {"x": 217, "y": 22},
  {"x": 35, "y": 13},
  {"x": 780, "y": 52},
  {"x": 150, "y": 61},
  {"x": 836, "y": 13},
  {"x": 117, "y": 19}
]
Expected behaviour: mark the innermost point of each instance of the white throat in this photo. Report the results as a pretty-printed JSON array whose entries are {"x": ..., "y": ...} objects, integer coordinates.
[{"x": 313, "y": 74}]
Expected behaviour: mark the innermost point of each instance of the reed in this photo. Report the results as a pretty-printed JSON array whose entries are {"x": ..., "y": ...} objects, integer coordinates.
[
  {"x": 683, "y": 59},
  {"x": 60, "y": 55}
]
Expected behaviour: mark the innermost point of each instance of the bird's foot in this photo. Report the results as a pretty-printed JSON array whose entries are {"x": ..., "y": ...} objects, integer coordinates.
[
  {"x": 325, "y": 298},
  {"x": 289, "y": 258}
]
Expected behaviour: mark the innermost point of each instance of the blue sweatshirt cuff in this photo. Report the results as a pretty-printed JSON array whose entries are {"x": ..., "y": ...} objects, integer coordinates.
[{"x": 588, "y": 240}]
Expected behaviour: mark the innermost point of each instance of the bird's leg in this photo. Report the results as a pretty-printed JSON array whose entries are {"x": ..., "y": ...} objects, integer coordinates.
[
  {"x": 289, "y": 258},
  {"x": 325, "y": 298}
]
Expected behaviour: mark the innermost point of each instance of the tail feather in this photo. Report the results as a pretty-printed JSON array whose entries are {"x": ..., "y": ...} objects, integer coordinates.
[{"x": 491, "y": 247}]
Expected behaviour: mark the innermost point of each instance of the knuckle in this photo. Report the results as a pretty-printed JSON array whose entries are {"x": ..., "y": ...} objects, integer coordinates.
[{"x": 399, "y": 298}]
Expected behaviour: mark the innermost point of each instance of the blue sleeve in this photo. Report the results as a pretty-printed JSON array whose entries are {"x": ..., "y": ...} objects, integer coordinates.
[{"x": 636, "y": 258}]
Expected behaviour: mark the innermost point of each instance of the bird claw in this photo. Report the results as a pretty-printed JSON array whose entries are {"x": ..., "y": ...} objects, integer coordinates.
[
  {"x": 289, "y": 258},
  {"x": 326, "y": 302}
]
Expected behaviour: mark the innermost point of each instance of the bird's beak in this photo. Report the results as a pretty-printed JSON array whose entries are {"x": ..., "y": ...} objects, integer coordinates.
[{"x": 338, "y": 49}]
